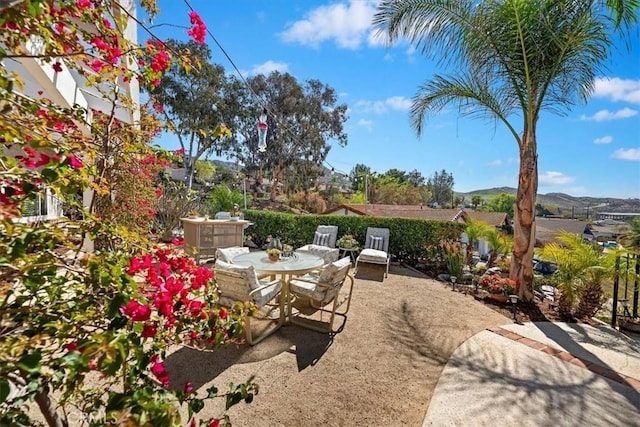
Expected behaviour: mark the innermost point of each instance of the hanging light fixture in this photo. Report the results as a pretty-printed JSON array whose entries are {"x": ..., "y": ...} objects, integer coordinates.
[{"x": 262, "y": 131}]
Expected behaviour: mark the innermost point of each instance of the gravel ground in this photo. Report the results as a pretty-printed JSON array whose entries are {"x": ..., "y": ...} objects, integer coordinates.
[{"x": 381, "y": 369}]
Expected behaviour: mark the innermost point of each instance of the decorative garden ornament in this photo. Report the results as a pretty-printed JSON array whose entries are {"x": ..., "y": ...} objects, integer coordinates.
[{"x": 262, "y": 131}]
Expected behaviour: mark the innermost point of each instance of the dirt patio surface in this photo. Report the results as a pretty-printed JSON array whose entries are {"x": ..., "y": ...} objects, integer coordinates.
[{"x": 381, "y": 369}]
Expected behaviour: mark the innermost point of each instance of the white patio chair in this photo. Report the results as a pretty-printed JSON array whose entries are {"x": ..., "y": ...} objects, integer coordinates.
[
  {"x": 227, "y": 254},
  {"x": 241, "y": 284},
  {"x": 324, "y": 243},
  {"x": 376, "y": 248},
  {"x": 321, "y": 289}
]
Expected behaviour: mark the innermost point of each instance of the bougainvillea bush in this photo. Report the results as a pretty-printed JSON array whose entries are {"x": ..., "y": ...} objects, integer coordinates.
[{"x": 84, "y": 333}]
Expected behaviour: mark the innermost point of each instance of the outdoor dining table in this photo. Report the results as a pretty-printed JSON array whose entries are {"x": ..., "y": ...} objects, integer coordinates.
[{"x": 297, "y": 264}]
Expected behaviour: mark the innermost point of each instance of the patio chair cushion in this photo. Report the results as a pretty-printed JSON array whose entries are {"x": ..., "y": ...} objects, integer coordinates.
[
  {"x": 321, "y": 239},
  {"x": 377, "y": 242},
  {"x": 227, "y": 254},
  {"x": 247, "y": 272},
  {"x": 373, "y": 255},
  {"x": 324, "y": 252},
  {"x": 266, "y": 293},
  {"x": 329, "y": 275}
]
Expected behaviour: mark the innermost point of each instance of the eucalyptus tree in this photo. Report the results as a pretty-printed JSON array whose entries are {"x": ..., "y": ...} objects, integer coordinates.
[
  {"x": 196, "y": 97},
  {"x": 302, "y": 120},
  {"x": 511, "y": 59}
]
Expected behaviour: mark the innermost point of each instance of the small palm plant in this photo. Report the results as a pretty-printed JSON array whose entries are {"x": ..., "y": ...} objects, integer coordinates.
[{"x": 581, "y": 270}]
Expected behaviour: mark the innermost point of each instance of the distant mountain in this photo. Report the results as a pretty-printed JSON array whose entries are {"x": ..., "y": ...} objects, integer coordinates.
[{"x": 584, "y": 206}]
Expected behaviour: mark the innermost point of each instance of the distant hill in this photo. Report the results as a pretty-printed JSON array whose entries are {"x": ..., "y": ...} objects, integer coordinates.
[{"x": 581, "y": 206}]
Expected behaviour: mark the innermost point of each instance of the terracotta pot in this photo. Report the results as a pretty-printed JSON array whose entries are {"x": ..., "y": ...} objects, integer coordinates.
[
  {"x": 499, "y": 297},
  {"x": 274, "y": 258}
]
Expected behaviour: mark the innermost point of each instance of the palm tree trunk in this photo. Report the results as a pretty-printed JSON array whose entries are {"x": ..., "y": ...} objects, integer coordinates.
[{"x": 524, "y": 221}]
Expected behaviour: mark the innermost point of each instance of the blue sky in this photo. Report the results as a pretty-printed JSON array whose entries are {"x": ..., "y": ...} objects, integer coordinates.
[{"x": 592, "y": 151}]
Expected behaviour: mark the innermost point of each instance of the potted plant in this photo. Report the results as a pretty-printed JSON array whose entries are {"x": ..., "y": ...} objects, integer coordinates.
[
  {"x": 347, "y": 242},
  {"x": 499, "y": 288},
  {"x": 274, "y": 254}
]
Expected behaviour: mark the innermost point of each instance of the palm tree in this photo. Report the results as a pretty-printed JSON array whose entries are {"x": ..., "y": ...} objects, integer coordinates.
[
  {"x": 474, "y": 230},
  {"x": 498, "y": 242},
  {"x": 513, "y": 59}
]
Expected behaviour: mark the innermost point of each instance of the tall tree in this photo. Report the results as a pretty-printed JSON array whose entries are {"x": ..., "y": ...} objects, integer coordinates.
[
  {"x": 302, "y": 119},
  {"x": 441, "y": 187},
  {"x": 195, "y": 98},
  {"x": 512, "y": 59},
  {"x": 503, "y": 202},
  {"x": 359, "y": 170}
]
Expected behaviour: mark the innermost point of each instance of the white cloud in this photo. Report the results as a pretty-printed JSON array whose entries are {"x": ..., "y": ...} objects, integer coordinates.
[
  {"x": 268, "y": 67},
  {"x": 617, "y": 89},
  {"x": 607, "y": 139},
  {"x": 396, "y": 103},
  {"x": 604, "y": 115},
  {"x": 495, "y": 163},
  {"x": 630, "y": 154},
  {"x": 554, "y": 178},
  {"x": 368, "y": 124},
  {"x": 347, "y": 24}
]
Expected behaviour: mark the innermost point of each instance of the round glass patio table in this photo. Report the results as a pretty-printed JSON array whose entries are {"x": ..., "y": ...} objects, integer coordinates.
[
  {"x": 298, "y": 263},
  {"x": 294, "y": 265}
]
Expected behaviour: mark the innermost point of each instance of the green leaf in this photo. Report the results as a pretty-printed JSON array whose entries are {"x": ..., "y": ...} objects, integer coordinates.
[
  {"x": 49, "y": 174},
  {"x": 30, "y": 362},
  {"x": 5, "y": 388},
  {"x": 212, "y": 392},
  {"x": 196, "y": 405}
]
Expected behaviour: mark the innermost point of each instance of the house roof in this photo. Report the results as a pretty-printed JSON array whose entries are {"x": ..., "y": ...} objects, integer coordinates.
[
  {"x": 548, "y": 228},
  {"x": 421, "y": 212}
]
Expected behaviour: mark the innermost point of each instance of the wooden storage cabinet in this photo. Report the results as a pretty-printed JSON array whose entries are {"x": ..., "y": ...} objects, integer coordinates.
[{"x": 203, "y": 236}]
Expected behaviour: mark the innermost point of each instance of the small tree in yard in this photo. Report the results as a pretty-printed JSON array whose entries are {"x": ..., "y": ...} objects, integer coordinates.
[
  {"x": 86, "y": 335},
  {"x": 581, "y": 271}
]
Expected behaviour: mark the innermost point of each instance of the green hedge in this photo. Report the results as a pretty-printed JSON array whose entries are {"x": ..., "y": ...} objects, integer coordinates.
[{"x": 411, "y": 240}]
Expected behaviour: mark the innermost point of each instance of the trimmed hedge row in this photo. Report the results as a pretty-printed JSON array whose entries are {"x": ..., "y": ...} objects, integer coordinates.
[{"x": 412, "y": 240}]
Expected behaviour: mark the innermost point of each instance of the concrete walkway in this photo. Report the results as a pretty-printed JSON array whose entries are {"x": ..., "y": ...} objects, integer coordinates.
[{"x": 541, "y": 374}]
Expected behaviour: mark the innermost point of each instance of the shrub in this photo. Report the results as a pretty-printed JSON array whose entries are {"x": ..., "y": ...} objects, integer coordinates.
[{"x": 495, "y": 284}]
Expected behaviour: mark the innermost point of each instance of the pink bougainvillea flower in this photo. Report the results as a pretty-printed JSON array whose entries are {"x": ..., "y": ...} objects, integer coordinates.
[
  {"x": 188, "y": 387},
  {"x": 160, "y": 372},
  {"x": 149, "y": 330},
  {"x": 93, "y": 364},
  {"x": 158, "y": 192},
  {"x": 223, "y": 313},
  {"x": 72, "y": 345},
  {"x": 57, "y": 67},
  {"x": 214, "y": 423},
  {"x": 74, "y": 162},
  {"x": 59, "y": 126},
  {"x": 156, "y": 82},
  {"x": 158, "y": 107},
  {"x": 97, "y": 65},
  {"x": 136, "y": 311},
  {"x": 84, "y": 4},
  {"x": 179, "y": 152},
  {"x": 177, "y": 242},
  {"x": 199, "y": 30}
]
